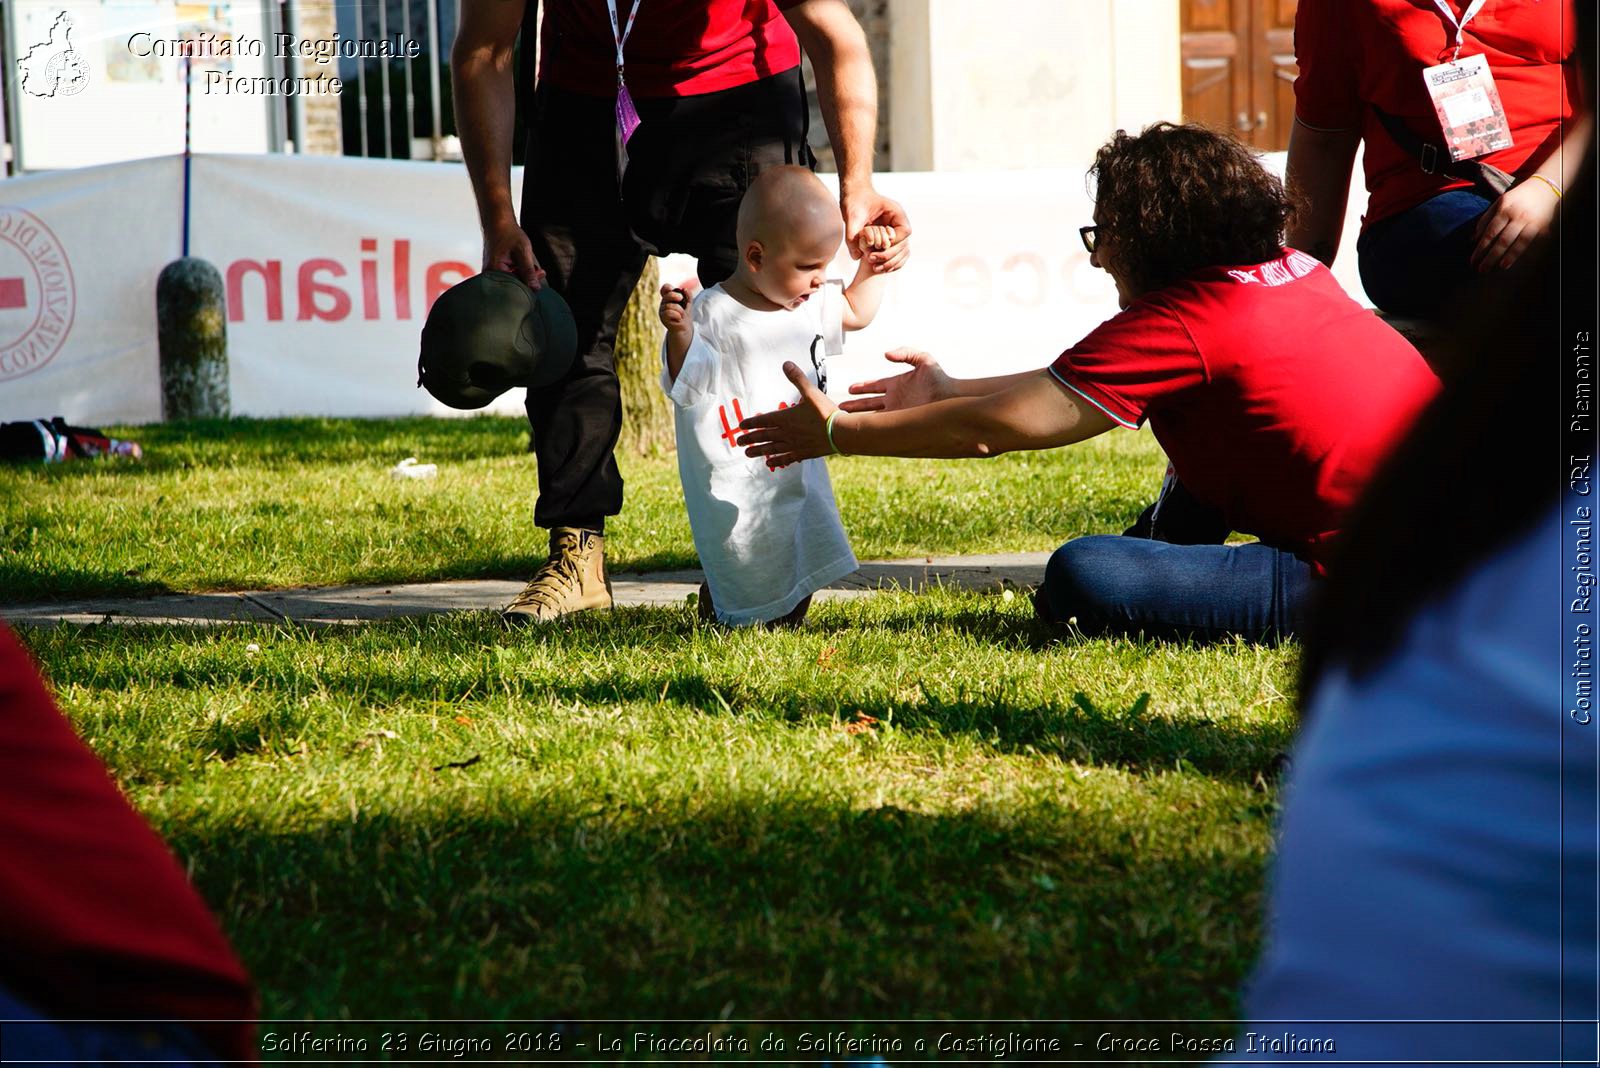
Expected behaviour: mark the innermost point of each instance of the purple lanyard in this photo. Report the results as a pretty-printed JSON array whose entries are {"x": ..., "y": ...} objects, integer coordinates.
[{"x": 627, "y": 116}]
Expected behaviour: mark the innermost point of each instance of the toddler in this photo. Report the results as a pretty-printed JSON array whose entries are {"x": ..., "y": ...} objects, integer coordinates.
[{"x": 768, "y": 539}]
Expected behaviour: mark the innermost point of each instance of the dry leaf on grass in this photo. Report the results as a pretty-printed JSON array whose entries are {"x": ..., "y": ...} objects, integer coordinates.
[{"x": 862, "y": 724}]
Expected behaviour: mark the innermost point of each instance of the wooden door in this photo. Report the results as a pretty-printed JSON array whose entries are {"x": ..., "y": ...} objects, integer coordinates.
[
  {"x": 1216, "y": 69},
  {"x": 1239, "y": 69},
  {"x": 1272, "y": 73}
]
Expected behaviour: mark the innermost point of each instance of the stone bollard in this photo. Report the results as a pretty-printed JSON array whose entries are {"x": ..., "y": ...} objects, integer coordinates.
[{"x": 192, "y": 321}]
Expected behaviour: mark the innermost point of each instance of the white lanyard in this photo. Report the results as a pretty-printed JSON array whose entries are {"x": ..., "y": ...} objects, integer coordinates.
[
  {"x": 620, "y": 34},
  {"x": 1460, "y": 24}
]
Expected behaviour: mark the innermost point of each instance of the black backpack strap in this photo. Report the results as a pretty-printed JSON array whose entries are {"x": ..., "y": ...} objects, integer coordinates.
[
  {"x": 1434, "y": 159},
  {"x": 527, "y": 73}
]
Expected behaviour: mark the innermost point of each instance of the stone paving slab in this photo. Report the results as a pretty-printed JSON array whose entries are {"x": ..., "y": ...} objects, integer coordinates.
[{"x": 365, "y": 604}]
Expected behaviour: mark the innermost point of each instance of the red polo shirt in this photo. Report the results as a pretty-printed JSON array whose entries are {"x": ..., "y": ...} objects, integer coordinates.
[
  {"x": 677, "y": 47},
  {"x": 1273, "y": 393},
  {"x": 1353, "y": 53}
]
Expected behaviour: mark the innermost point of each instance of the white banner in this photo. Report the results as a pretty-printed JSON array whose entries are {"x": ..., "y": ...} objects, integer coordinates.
[
  {"x": 330, "y": 265},
  {"x": 79, "y": 255}
]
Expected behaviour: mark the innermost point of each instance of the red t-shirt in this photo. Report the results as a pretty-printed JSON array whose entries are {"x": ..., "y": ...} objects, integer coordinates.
[
  {"x": 1353, "y": 53},
  {"x": 1273, "y": 393},
  {"x": 97, "y": 920},
  {"x": 677, "y": 47}
]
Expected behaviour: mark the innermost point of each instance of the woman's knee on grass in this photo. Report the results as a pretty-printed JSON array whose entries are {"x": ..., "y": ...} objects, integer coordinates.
[{"x": 1075, "y": 588}]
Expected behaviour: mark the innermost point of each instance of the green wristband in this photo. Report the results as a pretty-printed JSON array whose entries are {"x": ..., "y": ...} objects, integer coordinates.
[{"x": 831, "y": 417}]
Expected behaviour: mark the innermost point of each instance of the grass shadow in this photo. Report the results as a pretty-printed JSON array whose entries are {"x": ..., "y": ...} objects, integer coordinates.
[
  {"x": 1137, "y": 738},
  {"x": 676, "y": 907},
  {"x": 23, "y": 585},
  {"x": 276, "y": 442}
]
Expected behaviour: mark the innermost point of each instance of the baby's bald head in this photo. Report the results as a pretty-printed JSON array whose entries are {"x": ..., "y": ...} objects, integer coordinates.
[{"x": 785, "y": 205}]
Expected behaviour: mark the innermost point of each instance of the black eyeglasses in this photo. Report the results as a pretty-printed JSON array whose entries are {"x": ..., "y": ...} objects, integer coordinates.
[
  {"x": 816, "y": 365},
  {"x": 1088, "y": 234}
]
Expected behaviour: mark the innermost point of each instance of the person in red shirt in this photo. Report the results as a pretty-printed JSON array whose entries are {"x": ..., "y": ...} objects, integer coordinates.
[
  {"x": 1273, "y": 393},
  {"x": 97, "y": 919},
  {"x": 647, "y": 121},
  {"x": 1432, "y": 223}
]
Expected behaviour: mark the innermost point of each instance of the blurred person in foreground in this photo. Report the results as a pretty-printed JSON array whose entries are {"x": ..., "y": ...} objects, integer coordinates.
[
  {"x": 98, "y": 923},
  {"x": 1438, "y": 846},
  {"x": 1273, "y": 393}
]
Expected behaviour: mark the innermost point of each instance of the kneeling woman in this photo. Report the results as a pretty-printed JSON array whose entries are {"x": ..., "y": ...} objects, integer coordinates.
[{"x": 1273, "y": 393}]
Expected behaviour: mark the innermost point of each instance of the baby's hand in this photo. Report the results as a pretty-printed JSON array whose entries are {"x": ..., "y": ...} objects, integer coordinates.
[
  {"x": 875, "y": 238},
  {"x": 675, "y": 309}
]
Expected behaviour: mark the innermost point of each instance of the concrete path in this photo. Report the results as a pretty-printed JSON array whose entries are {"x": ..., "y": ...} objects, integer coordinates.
[{"x": 364, "y": 604}]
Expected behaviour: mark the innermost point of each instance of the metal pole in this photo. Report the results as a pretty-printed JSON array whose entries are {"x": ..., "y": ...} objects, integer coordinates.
[
  {"x": 5, "y": 53},
  {"x": 411, "y": 104},
  {"x": 361, "y": 78},
  {"x": 188, "y": 106},
  {"x": 433, "y": 77},
  {"x": 297, "y": 103},
  {"x": 383, "y": 78},
  {"x": 13, "y": 118},
  {"x": 277, "y": 112}
]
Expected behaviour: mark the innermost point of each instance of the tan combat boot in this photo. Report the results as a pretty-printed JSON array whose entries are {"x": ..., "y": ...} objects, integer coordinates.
[{"x": 573, "y": 579}]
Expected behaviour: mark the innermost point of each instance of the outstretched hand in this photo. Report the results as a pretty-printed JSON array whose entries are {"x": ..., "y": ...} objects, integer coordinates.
[
  {"x": 799, "y": 432},
  {"x": 925, "y": 383}
]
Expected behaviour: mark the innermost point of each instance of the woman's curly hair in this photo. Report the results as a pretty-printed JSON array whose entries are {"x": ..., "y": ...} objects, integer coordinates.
[{"x": 1178, "y": 198}]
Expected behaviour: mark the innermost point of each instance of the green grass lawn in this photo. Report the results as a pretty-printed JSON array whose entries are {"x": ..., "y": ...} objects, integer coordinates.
[
  {"x": 255, "y": 503},
  {"x": 917, "y": 805}
]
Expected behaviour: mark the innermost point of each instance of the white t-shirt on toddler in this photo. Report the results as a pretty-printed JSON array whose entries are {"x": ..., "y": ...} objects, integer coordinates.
[{"x": 767, "y": 539}]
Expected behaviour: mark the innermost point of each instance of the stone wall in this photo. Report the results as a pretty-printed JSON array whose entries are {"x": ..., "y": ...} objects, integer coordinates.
[
  {"x": 874, "y": 18},
  {"x": 323, "y": 135},
  {"x": 1042, "y": 87}
]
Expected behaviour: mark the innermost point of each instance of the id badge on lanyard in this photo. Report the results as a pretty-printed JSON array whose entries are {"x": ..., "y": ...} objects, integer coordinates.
[
  {"x": 1465, "y": 98},
  {"x": 627, "y": 115}
]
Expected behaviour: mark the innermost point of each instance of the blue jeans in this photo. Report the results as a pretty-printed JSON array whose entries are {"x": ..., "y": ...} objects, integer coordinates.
[
  {"x": 30, "y": 1036},
  {"x": 1412, "y": 263},
  {"x": 1112, "y": 584}
]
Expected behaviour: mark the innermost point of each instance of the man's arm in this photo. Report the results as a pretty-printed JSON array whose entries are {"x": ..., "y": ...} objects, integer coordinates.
[
  {"x": 847, "y": 90},
  {"x": 1318, "y": 178},
  {"x": 484, "y": 88}
]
